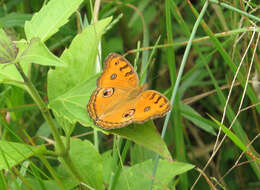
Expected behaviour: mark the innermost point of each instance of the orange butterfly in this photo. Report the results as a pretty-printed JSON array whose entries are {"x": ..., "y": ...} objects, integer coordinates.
[{"x": 119, "y": 100}]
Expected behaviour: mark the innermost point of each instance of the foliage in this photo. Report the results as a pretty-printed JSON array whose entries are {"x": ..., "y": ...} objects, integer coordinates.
[{"x": 51, "y": 54}]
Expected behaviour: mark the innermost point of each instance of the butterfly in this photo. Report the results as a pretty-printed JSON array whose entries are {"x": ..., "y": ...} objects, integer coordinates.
[{"x": 119, "y": 100}]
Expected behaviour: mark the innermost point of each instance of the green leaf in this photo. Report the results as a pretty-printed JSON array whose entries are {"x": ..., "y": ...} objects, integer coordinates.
[
  {"x": 108, "y": 168},
  {"x": 8, "y": 50},
  {"x": 230, "y": 134},
  {"x": 9, "y": 73},
  {"x": 73, "y": 106},
  {"x": 190, "y": 114},
  {"x": 80, "y": 66},
  {"x": 50, "y": 18},
  {"x": 88, "y": 161},
  {"x": 66, "y": 125},
  {"x": 146, "y": 135},
  {"x": 12, "y": 153},
  {"x": 140, "y": 154},
  {"x": 67, "y": 180},
  {"x": 37, "y": 183},
  {"x": 139, "y": 176},
  {"x": 37, "y": 52},
  {"x": 80, "y": 58},
  {"x": 14, "y": 19},
  {"x": 43, "y": 131}
]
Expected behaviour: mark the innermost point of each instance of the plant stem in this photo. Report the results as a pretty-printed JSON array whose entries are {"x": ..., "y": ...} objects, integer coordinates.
[
  {"x": 43, "y": 108},
  {"x": 47, "y": 116},
  {"x": 257, "y": 19}
]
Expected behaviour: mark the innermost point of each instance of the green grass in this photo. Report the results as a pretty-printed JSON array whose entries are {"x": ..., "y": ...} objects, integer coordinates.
[{"x": 205, "y": 53}]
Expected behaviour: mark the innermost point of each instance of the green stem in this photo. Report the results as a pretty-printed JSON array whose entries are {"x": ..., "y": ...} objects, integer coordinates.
[
  {"x": 47, "y": 116},
  {"x": 52, "y": 172},
  {"x": 257, "y": 19},
  {"x": 45, "y": 112}
]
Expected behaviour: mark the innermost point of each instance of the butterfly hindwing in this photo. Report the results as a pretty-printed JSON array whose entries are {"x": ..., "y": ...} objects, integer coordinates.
[
  {"x": 108, "y": 107},
  {"x": 150, "y": 104}
]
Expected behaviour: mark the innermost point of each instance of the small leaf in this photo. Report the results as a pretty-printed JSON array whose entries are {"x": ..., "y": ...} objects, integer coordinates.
[
  {"x": 37, "y": 52},
  {"x": 139, "y": 176},
  {"x": 12, "y": 153},
  {"x": 50, "y": 18},
  {"x": 8, "y": 50},
  {"x": 88, "y": 161},
  {"x": 146, "y": 135},
  {"x": 80, "y": 58}
]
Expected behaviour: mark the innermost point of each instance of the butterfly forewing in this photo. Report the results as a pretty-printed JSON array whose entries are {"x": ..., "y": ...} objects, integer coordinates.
[{"x": 118, "y": 73}]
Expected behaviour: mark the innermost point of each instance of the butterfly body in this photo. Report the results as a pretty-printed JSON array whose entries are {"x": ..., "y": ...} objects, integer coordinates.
[{"x": 119, "y": 100}]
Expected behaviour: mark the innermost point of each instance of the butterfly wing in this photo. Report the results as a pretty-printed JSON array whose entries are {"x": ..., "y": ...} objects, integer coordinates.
[
  {"x": 111, "y": 114},
  {"x": 113, "y": 110},
  {"x": 150, "y": 104},
  {"x": 118, "y": 73},
  {"x": 114, "y": 86},
  {"x": 119, "y": 100}
]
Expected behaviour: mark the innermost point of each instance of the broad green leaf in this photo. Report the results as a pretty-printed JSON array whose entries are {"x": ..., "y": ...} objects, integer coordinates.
[
  {"x": 12, "y": 153},
  {"x": 14, "y": 19},
  {"x": 139, "y": 176},
  {"x": 37, "y": 52},
  {"x": 8, "y": 50},
  {"x": 73, "y": 106},
  {"x": 146, "y": 135},
  {"x": 190, "y": 114},
  {"x": 50, "y": 18},
  {"x": 80, "y": 59},
  {"x": 87, "y": 160}
]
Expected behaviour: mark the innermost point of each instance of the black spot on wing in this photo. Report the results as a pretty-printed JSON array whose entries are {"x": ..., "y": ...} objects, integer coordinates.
[
  {"x": 156, "y": 102},
  {"x": 147, "y": 108},
  {"x": 129, "y": 73},
  {"x": 124, "y": 67},
  {"x": 113, "y": 76},
  {"x": 153, "y": 95},
  {"x": 129, "y": 113}
]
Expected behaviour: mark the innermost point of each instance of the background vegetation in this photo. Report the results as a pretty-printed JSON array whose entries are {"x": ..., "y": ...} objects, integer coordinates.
[{"x": 48, "y": 61}]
